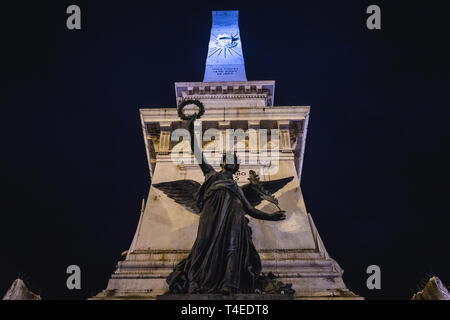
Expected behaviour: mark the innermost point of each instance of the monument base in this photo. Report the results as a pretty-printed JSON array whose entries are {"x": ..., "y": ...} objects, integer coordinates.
[
  {"x": 150, "y": 295},
  {"x": 313, "y": 274},
  {"x": 239, "y": 296}
]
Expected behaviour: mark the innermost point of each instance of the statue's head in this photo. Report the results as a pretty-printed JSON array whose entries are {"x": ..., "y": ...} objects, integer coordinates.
[{"x": 230, "y": 162}]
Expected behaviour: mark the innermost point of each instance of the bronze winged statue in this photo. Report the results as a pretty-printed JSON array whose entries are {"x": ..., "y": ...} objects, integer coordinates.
[{"x": 223, "y": 258}]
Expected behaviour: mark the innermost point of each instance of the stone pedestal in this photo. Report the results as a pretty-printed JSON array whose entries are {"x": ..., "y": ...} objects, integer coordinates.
[{"x": 292, "y": 249}]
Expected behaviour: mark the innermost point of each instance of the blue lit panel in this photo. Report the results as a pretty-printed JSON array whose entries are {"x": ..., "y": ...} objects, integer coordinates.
[{"x": 225, "y": 61}]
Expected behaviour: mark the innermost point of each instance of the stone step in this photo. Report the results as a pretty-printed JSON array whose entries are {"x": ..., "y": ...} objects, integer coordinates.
[
  {"x": 325, "y": 264},
  {"x": 265, "y": 254}
]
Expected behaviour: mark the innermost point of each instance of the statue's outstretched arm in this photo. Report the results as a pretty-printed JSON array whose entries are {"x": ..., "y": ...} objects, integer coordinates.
[
  {"x": 198, "y": 154},
  {"x": 258, "y": 214}
]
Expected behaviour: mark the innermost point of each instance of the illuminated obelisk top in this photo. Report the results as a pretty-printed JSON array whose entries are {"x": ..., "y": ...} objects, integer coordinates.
[{"x": 225, "y": 61}]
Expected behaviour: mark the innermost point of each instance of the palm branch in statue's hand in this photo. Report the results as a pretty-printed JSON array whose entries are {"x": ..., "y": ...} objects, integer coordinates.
[{"x": 257, "y": 190}]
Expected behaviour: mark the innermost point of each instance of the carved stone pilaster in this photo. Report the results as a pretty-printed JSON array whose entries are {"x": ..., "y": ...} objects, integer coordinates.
[
  {"x": 284, "y": 136},
  {"x": 164, "y": 137},
  {"x": 223, "y": 126},
  {"x": 253, "y": 135}
]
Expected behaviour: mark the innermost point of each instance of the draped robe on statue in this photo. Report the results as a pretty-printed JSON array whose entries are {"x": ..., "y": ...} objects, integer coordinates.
[{"x": 223, "y": 257}]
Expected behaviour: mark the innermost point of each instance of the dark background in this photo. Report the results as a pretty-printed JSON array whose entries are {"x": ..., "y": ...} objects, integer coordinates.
[{"x": 73, "y": 165}]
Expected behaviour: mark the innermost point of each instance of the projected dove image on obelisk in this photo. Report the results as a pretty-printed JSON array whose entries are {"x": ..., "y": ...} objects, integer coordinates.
[
  {"x": 225, "y": 165},
  {"x": 225, "y": 60}
]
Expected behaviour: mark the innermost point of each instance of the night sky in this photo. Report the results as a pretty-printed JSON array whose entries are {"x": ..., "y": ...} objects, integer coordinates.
[{"x": 73, "y": 163}]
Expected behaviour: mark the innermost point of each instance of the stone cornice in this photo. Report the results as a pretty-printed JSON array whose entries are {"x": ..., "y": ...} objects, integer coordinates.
[
  {"x": 245, "y": 89},
  {"x": 226, "y": 96},
  {"x": 227, "y": 113}
]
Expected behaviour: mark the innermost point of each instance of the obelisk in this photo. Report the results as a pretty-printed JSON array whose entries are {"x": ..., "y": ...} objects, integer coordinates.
[{"x": 225, "y": 60}]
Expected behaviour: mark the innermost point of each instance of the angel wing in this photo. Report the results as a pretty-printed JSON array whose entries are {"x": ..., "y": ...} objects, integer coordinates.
[
  {"x": 255, "y": 195},
  {"x": 182, "y": 192}
]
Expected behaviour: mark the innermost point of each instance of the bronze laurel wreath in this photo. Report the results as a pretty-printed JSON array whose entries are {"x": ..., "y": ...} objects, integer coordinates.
[{"x": 184, "y": 103}]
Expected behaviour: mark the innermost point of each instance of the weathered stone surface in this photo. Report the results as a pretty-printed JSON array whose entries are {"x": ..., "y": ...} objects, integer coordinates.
[
  {"x": 433, "y": 290},
  {"x": 19, "y": 291}
]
